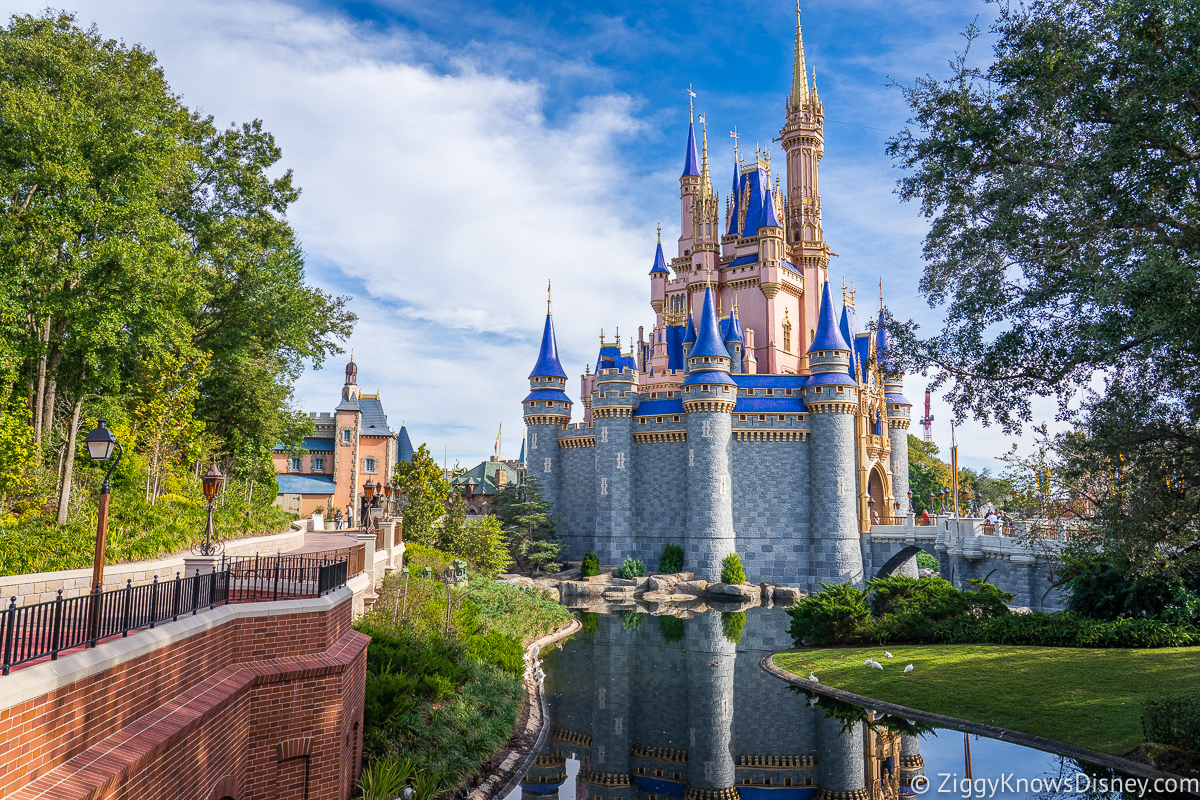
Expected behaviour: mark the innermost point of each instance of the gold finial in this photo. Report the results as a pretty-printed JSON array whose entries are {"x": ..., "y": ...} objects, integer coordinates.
[
  {"x": 800, "y": 92},
  {"x": 547, "y": 297},
  {"x": 845, "y": 296},
  {"x": 351, "y": 355},
  {"x": 660, "y": 233},
  {"x": 691, "y": 97},
  {"x": 733, "y": 134},
  {"x": 881, "y": 294},
  {"x": 814, "y": 87},
  {"x": 602, "y": 336},
  {"x": 735, "y": 308}
]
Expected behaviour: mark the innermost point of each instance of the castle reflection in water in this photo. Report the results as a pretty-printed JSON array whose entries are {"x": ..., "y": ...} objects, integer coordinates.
[{"x": 660, "y": 707}]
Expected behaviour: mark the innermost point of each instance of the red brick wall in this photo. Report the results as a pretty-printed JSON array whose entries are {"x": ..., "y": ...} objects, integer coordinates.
[{"x": 213, "y": 707}]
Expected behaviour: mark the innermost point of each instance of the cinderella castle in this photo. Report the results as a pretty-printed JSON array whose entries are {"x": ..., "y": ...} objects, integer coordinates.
[{"x": 754, "y": 418}]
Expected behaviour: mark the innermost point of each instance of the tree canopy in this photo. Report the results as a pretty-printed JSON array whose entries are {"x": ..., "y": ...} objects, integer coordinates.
[{"x": 1063, "y": 186}]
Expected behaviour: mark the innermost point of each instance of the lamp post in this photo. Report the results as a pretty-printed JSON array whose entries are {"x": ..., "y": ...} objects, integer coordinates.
[
  {"x": 368, "y": 493},
  {"x": 910, "y": 505},
  {"x": 101, "y": 444},
  {"x": 387, "y": 505},
  {"x": 213, "y": 481}
]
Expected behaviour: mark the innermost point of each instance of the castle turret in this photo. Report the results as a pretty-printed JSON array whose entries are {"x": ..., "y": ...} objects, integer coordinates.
[
  {"x": 831, "y": 397},
  {"x": 709, "y": 395},
  {"x": 711, "y": 664},
  {"x": 547, "y": 409},
  {"x": 658, "y": 283},
  {"x": 613, "y": 404},
  {"x": 689, "y": 189},
  {"x": 735, "y": 342},
  {"x": 689, "y": 341},
  {"x": 899, "y": 411}
]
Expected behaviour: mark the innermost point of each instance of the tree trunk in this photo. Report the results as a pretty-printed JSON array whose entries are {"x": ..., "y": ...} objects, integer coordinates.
[
  {"x": 41, "y": 385},
  {"x": 56, "y": 358},
  {"x": 64, "y": 494}
]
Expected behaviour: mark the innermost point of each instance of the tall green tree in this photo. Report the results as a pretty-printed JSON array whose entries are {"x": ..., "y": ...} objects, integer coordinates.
[
  {"x": 1063, "y": 185},
  {"x": 424, "y": 493},
  {"x": 531, "y": 529}
]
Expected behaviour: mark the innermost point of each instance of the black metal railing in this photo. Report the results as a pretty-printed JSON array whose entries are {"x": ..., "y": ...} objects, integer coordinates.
[{"x": 29, "y": 633}]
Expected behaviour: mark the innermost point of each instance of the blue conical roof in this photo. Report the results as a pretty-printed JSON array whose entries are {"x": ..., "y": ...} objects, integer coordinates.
[
  {"x": 660, "y": 263},
  {"x": 829, "y": 335},
  {"x": 547, "y": 365},
  {"x": 708, "y": 334},
  {"x": 770, "y": 218},
  {"x": 735, "y": 194},
  {"x": 735, "y": 330},
  {"x": 849, "y": 333},
  {"x": 691, "y": 161},
  {"x": 883, "y": 343},
  {"x": 522, "y": 459},
  {"x": 404, "y": 448},
  {"x": 689, "y": 336}
]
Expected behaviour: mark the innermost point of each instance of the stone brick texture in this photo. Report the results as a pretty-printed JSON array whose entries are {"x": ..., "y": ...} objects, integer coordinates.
[{"x": 253, "y": 708}]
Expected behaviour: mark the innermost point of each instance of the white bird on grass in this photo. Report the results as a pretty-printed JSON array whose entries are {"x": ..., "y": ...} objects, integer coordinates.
[
  {"x": 886, "y": 653},
  {"x": 876, "y": 665},
  {"x": 812, "y": 676},
  {"x": 868, "y": 662},
  {"x": 908, "y": 669}
]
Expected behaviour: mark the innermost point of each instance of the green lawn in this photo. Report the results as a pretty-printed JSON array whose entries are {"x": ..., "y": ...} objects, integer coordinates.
[{"x": 1090, "y": 698}]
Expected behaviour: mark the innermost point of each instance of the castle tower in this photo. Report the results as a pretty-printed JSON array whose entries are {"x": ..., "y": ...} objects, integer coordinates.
[
  {"x": 841, "y": 758},
  {"x": 899, "y": 411},
  {"x": 711, "y": 664},
  {"x": 613, "y": 404},
  {"x": 706, "y": 218},
  {"x": 547, "y": 409},
  {"x": 689, "y": 342},
  {"x": 803, "y": 139},
  {"x": 831, "y": 396},
  {"x": 709, "y": 395},
  {"x": 659, "y": 274},
  {"x": 348, "y": 416},
  {"x": 735, "y": 343},
  {"x": 609, "y": 773}
]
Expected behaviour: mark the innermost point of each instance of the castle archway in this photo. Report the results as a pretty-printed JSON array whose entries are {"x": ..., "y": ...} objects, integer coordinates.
[{"x": 877, "y": 491}]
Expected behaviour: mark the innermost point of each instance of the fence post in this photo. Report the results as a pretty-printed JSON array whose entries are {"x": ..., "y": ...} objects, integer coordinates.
[
  {"x": 195, "y": 595},
  {"x": 175, "y": 601},
  {"x": 275, "y": 592},
  {"x": 154, "y": 602},
  {"x": 212, "y": 591},
  {"x": 8, "y": 634},
  {"x": 128, "y": 609},
  {"x": 56, "y": 636},
  {"x": 97, "y": 593}
]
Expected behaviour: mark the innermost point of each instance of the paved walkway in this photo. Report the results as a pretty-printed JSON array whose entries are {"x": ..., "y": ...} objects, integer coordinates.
[{"x": 316, "y": 541}]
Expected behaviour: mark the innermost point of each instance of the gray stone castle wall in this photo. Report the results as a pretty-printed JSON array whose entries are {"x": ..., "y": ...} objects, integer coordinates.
[
  {"x": 771, "y": 509},
  {"x": 709, "y": 536},
  {"x": 577, "y": 503},
  {"x": 613, "y": 489},
  {"x": 836, "y": 550},
  {"x": 899, "y": 440},
  {"x": 659, "y": 498}
]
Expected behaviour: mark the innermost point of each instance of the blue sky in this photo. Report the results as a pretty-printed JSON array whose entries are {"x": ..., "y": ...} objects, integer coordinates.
[{"x": 456, "y": 155}]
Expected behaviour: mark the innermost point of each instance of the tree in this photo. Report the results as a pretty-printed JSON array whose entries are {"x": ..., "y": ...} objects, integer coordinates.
[
  {"x": 481, "y": 543},
  {"x": 927, "y": 474},
  {"x": 1062, "y": 182},
  {"x": 531, "y": 529},
  {"x": 425, "y": 493}
]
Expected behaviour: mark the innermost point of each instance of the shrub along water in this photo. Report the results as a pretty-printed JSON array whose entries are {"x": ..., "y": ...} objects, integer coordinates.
[
  {"x": 731, "y": 569},
  {"x": 590, "y": 566},
  {"x": 1174, "y": 721},
  {"x": 444, "y": 690},
  {"x": 632, "y": 568},
  {"x": 670, "y": 560},
  {"x": 932, "y": 611}
]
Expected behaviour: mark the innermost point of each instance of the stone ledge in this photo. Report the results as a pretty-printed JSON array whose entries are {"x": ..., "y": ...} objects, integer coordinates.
[{"x": 41, "y": 679}]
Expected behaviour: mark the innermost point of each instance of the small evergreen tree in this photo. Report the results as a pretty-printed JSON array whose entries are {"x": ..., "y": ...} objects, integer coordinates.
[
  {"x": 590, "y": 566},
  {"x": 425, "y": 493},
  {"x": 731, "y": 569},
  {"x": 531, "y": 530},
  {"x": 631, "y": 568},
  {"x": 670, "y": 560}
]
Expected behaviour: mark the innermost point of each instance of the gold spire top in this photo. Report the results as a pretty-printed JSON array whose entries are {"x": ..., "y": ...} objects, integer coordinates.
[
  {"x": 800, "y": 92},
  {"x": 704, "y": 176},
  {"x": 814, "y": 84},
  {"x": 735, "y": 306},
  {"x": 691, "y": 108},
  {"x": 845, "y": 295},
  {"x": 881, "y": 293},
  {"x": 547, "y": 297},
  {"x": 660, "y": 233}
]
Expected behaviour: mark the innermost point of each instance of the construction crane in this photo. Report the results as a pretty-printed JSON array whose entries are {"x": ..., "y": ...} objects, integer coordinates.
[{"x": 927, "y": 420}]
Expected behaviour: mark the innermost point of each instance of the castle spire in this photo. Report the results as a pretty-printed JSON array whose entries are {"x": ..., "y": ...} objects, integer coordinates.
[
  {"x": 547, "y": 365},
  {"x": 800, "y": 91},
  {"x": 829, "y": 334},
  {"x": 705, "y": 182},
  {"x": 690, "y": 158}
]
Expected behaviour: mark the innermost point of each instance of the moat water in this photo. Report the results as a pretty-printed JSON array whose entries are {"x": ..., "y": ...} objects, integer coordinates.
[{"x": 647, "y": 707}]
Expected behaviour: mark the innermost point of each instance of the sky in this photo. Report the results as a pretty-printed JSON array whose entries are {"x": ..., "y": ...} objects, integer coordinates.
[{"x": 455, "y": 156}]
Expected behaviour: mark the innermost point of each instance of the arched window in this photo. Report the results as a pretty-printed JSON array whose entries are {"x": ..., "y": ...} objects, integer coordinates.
[{"x": 787, "y": 333}]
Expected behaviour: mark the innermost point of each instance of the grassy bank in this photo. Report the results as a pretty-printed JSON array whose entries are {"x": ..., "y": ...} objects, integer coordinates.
[
  {"x": 1087, "y": 697},
  {"x": 447, "y": 697}
]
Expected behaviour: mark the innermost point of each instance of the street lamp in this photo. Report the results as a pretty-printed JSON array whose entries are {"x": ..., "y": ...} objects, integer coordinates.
[
  {"x": 100, "y": 444},
  {"x": 368, "y": 493},
  {"x": 213, "y": 481},
  {"x": 910, "y": 505}
]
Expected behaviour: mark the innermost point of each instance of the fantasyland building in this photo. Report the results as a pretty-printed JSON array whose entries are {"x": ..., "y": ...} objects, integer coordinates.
[{"x": 754, "y": 418}]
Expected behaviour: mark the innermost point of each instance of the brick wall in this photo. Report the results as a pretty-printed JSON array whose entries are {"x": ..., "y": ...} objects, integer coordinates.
[{"x": 232, "y": 699}]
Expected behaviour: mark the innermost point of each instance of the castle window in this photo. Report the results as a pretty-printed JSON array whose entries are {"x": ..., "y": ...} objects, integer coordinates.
[
  {"x": 788, "y": 392},
  {"x": 675, "y": 419},
  {"x": 295, "y": 464},
  {"x": 787, "y": 781},
  {"x": 762, "y": 417},
  {"x": 677, "y": 776},
  {"x": 741, "y": 417},
  {"x": 787, "y": 333},
  {"x": 318, "y": 465},
  {"x": 770, "y": 392},
  {"x": 642, "y": 421},
  {"x": 818, "y": 390},
  {"x": 345, "y": 436},
  {"x": 658, "y": 420},
  {"x": 369, "y": 464},
  {"x": 705, "y": 389},
  {"x": 781, "y": 418},
  {"x": 749, "y": 393}
]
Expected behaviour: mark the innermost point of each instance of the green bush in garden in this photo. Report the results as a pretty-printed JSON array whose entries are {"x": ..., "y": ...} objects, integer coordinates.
[
  {"x": 590, "y": 566},
  {"x": 631, "y": 568},
  {"x": 731, "y": 569},
  {"x": 670, "y": 560}
]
